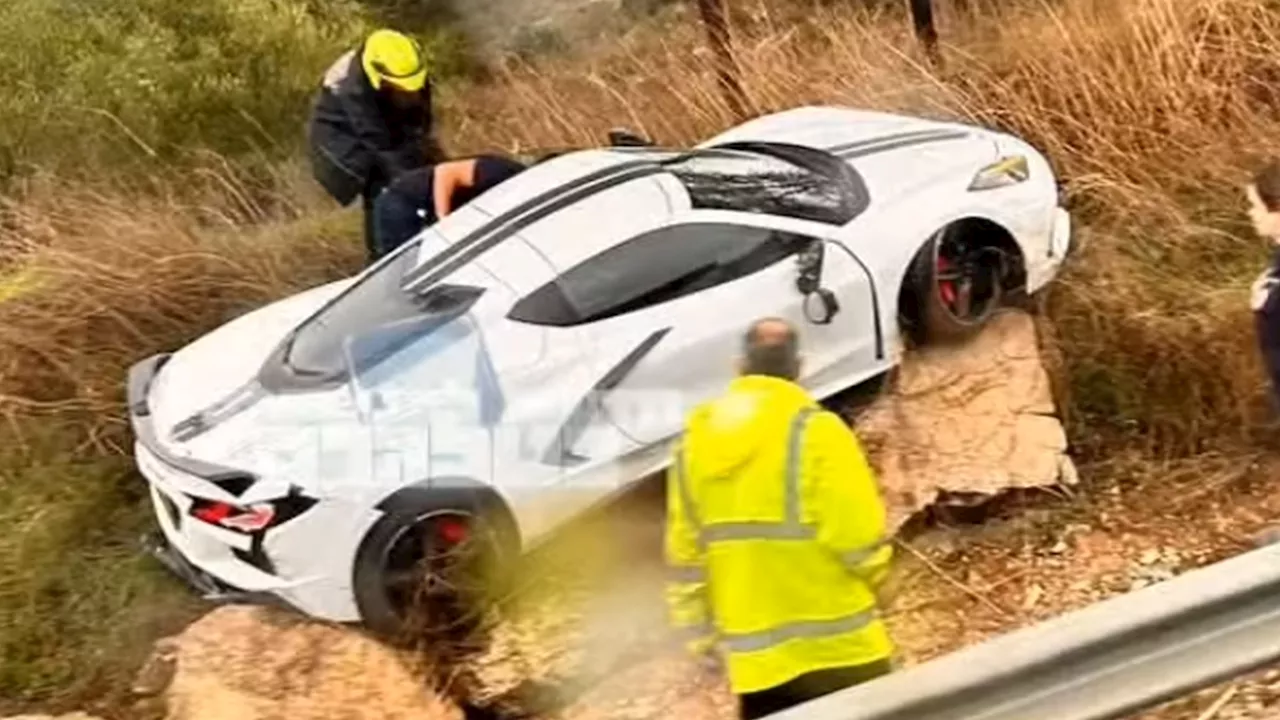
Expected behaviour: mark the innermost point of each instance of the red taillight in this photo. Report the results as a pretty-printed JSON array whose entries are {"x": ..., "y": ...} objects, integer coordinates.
[{"x": 232, "y": 517}]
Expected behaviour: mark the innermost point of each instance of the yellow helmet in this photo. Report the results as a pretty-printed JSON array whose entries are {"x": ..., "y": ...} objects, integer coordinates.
[{"x": 395, "y": 59}]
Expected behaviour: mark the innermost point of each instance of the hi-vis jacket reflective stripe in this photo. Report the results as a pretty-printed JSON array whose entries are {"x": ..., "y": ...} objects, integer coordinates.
[{"x": 775, "y": 536}]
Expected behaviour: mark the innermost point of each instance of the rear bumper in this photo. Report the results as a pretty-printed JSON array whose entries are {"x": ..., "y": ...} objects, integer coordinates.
[
  {"x": 235, "y": 559},
  {"x": 138, "y": 388},
  {"x": 301, "y": 563},
  {"x": 210, "y": 588}
]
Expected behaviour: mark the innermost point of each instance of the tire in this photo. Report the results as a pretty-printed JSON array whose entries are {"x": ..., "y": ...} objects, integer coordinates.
[
  {"x": 449, "y": 615},
  {"x": 929, "y": 319}
]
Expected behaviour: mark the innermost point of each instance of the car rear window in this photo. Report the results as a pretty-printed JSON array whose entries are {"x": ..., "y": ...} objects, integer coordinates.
[{"x": 742, "y": 181}]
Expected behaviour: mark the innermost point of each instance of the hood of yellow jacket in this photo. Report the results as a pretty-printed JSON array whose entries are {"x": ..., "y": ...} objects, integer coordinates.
[{"x": 727, "y": 432}]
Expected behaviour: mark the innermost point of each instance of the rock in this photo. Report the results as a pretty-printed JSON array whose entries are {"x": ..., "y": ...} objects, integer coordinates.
[
  {"x": 1150, "y": 557},
  {"x": 156, "y": 673},
  {"x": 149, "y": 708},
  {"x": 240, "y": 662},
  {"x": 974, "y": 420}
]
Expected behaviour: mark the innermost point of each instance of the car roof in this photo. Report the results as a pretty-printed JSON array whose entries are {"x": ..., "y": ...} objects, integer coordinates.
[{"x": 562, "y": 210}]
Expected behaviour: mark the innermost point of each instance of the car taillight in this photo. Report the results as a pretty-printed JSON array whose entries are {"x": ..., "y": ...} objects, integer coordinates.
[{"x": 232, "y": 517}]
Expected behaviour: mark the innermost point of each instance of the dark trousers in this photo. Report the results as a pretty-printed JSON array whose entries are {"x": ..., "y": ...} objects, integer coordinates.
[
  {"x": 396, "y": 220},
  {"x": 809, "y": 686},
  {"x": 368, "y": 201}
]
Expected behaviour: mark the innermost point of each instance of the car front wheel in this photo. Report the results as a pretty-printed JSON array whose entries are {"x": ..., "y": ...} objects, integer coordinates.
[{"x": 953, "y": 287}]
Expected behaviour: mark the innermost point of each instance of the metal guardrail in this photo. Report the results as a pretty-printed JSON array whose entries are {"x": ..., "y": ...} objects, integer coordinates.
[{"x": 1108, "y": 660}]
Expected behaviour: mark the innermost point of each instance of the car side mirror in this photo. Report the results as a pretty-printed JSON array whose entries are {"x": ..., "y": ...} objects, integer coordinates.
[
  {"x": 809, "y": 283},
  {"x": 809, "y": 265}
]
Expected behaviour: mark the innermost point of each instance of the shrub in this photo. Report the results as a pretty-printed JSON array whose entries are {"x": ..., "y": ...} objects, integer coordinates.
[{"x": 114, "y": 88}]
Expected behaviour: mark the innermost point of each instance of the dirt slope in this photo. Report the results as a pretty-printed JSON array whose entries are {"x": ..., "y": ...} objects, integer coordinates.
[{"x": 589, "y": 632}]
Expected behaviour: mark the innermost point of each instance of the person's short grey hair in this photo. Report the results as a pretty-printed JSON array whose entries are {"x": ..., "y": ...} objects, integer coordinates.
[{"x": 776, "y": 354}]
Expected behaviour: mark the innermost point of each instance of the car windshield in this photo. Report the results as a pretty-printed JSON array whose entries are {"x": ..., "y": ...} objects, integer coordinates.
[
  {"x": 429, "y": 395},
  {"x": 420, "y": 363},
  {"x": 375, "y": 299},
  {"x": 756, "y": 182}
]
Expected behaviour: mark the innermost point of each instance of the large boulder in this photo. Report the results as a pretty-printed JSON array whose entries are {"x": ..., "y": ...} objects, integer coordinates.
[
  {"x": 246, "y": 662},
  {"x": 962, "y": 423}
]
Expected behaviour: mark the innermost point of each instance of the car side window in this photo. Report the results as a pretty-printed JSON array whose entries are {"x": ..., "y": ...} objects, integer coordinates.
[{"x": 655, "y": 268}]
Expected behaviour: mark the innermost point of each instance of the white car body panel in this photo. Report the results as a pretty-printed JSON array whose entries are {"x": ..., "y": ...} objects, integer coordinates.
[{"x": 353, "y": 445}]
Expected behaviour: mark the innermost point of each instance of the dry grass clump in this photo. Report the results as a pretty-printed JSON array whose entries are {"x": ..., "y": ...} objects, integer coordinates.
[
  {"x": 95, "y": 282},
  {"x": 91, "y": 282},
  {"x": 1149, "y": 109},
  {"x": 1152, "y": 111}
]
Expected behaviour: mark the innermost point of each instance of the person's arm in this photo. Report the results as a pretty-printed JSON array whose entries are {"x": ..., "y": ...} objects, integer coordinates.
[
  {"x": 852, "y": 521},
  {"x": 688, "y": 607},
  {"x": 449, "y": 177}
]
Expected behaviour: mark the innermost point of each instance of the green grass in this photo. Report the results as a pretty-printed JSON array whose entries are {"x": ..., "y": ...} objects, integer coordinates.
[{"x": 79, "y": 604}]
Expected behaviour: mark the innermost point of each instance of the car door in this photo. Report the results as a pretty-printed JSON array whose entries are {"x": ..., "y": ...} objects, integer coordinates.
[{"x": 670, "y": 308}]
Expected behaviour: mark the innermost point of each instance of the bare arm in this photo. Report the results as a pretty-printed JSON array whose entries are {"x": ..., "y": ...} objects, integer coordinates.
[{"x": 449, "y": 176}]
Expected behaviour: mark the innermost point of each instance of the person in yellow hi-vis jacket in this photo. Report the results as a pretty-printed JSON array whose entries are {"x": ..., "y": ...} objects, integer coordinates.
[{"x": 776, "y": 537}]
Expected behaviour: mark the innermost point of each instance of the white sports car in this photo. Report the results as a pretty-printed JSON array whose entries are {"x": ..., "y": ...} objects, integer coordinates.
[{"x": 534, "y": 354}]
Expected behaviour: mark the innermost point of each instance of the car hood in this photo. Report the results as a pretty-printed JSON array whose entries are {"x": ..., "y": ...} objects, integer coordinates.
[
  {"x": 222, "y": 363},
  {"x": 896, "y": 155},
  {"x": 827, "y": 127}
]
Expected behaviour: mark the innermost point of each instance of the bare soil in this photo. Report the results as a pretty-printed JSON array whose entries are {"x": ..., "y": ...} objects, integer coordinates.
[{"x": 589, "y": 637}]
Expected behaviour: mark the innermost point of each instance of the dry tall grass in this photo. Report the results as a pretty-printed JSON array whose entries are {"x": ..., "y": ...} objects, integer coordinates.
[
  {"x": 1150, "y": 109},
  {"x": 1153, "y": 110}
]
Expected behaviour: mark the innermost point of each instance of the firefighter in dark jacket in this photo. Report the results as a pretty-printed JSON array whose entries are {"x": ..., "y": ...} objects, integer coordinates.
[{"x": 372, "y": 120}]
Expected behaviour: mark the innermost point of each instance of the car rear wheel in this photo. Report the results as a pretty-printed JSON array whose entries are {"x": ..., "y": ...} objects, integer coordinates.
[
  {"x": 428, "y": 577},
  {"x": 954, "y": 286}
]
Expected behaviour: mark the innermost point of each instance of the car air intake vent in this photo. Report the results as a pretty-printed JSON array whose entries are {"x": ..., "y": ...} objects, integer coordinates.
[
  {"x": 292, "y": 505},
  {"x": 256, "y": 557},
  {"x": 235, "y": 484}
]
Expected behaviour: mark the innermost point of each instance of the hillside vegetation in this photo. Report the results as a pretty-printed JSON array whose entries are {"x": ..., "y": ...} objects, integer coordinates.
[{"x": 149, "y": 164}]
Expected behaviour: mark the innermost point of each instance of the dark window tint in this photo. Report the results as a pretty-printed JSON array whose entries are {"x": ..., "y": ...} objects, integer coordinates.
[
  {"x": 654, "y": 268},
  {"x": 757, "y": 183}
]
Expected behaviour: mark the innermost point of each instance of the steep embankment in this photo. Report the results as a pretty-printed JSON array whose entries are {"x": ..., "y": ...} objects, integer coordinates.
[
  {"x": 1151, "y": 110},
  {"x": 587, "y": 641},
  {"x": 593, "y": 621}
]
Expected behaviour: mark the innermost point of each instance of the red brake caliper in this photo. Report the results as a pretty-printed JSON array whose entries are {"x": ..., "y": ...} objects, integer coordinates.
[{"x": 946, "y": 288}]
